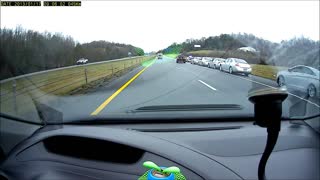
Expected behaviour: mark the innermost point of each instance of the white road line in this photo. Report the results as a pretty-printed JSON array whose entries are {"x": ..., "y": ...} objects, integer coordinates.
[
  {"x": 276, "y": 88},
  {"x": 207, "y": 85}
]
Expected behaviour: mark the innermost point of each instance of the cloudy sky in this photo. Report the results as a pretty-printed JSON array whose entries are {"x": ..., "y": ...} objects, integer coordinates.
[{"x": 157, "y": 24}]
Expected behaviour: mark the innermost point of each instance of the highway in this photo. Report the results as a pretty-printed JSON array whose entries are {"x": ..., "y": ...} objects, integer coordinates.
[{"x": 164, "y": 82}]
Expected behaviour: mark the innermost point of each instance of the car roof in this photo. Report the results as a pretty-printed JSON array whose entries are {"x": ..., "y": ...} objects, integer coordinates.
[{"x": 316, "y": 71}]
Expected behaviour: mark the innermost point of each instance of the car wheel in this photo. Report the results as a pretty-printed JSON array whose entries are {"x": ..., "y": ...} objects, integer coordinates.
[
  {"x": 230, "y": 70},
  {"x": 281, "y": 81},
  {"x": 312, "y": 90}
]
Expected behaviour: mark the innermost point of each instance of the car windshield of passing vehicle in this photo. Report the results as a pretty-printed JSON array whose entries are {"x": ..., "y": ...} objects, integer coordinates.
[{"x": 114, "y": 63}]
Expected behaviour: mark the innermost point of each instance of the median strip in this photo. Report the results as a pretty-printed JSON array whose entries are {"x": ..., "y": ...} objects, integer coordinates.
[{"x": 107, "y": 101}]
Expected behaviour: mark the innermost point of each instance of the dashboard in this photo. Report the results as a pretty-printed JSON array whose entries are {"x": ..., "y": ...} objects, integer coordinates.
[{"x": 204, "y": 150}]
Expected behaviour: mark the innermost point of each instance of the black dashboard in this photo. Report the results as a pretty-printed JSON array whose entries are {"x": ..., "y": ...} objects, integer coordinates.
[{"x": 204, "y": 150}]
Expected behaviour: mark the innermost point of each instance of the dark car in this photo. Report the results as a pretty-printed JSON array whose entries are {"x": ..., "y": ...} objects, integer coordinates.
[{"x": 181, "y": 59}]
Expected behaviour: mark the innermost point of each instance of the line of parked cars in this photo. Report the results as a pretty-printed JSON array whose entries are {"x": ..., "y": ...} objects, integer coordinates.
[
  {"x": 299, "y": 78},
  {"x": 231, "y": 65}
]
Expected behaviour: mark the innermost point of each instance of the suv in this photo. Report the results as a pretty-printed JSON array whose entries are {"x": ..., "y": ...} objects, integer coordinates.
[
  {"x": 159, "y": 56},
  {"x": 181, "y": 59}
]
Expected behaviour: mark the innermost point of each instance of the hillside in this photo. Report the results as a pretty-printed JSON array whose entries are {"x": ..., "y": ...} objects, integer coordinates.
[
  {"x": 26, "y": 51},
  {"x": 287, "y": 53}
]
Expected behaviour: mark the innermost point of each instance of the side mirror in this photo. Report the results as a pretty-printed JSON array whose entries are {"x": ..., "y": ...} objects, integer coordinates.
[{"x": 290, "y": 70}]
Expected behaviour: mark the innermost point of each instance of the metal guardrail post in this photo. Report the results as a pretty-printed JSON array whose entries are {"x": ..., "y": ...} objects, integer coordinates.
[
  {"x": 111, "y": 70},
  {"x": 86, "y": 76},
  {"x": 14, "y": 89}
]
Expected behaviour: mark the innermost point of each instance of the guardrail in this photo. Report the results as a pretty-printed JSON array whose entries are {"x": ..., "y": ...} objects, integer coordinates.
[{"x": 19, "y": 92}]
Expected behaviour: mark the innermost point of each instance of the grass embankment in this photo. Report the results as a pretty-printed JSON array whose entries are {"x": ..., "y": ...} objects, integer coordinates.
[
  {"x": 266, "y": 71},
  {"x": 171, "y": 55}
]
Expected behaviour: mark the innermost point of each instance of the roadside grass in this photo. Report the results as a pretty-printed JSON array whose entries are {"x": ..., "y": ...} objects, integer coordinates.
[
  {"x": 266, "y": 71},
  {"x": 172, "y": 55},
  {"x": 148, "y": 62}
]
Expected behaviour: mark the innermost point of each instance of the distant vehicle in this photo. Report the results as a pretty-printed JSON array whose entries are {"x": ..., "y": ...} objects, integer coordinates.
[
  {"x": 216, "y": 63},
  {"x": 205, "y": 61},
  {"x": 235, "y": 65},
  {"x": 82, "y": 61},
  {"x": 301, "y": 78},
  {"x": 159, "y": 56},
  {"x": 248, "y": 49},
  {"x": 181, "y": 59}
]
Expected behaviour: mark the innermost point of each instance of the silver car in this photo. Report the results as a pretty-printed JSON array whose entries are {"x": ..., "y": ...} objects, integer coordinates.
[
  {"x": 205, "y": 61},
  {"x": 215, "y": 63},
  {"x": 235, "y": 65},
  {"x": 301, "y": 78},
  {"x": 195, "y": 60}
]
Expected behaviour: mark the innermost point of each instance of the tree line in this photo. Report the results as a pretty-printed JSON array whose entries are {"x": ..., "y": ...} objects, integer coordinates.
[
  {"x": 26, "y": 51},
  {"x": 296, "y": 51}
]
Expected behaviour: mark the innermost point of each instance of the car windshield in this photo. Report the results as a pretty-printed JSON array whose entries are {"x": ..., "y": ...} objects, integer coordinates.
[
  {"x": 113, "y": 60},
  {"x": 241, "y": 61}
]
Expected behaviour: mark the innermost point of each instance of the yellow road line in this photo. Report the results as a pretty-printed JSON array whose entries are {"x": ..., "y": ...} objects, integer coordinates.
[{"x": 107, "y": 101}]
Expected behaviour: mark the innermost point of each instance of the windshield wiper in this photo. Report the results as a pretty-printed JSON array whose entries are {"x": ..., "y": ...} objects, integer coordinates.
[{"x": 196, "y": 107}]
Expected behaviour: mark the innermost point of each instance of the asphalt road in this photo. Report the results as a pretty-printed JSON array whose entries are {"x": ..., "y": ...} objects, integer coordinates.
[{"x": 167, "y": 83}]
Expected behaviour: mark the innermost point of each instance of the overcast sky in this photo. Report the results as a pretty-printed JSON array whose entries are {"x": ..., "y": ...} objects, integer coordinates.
[{"x": 157, "y": 24}]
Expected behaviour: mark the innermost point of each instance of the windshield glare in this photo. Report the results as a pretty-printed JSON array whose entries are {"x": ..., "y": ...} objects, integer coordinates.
[{"x": 110, "y": 59}]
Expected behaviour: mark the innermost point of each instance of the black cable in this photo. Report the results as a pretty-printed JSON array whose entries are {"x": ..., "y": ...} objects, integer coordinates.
[{"x": 271, "y": 142}]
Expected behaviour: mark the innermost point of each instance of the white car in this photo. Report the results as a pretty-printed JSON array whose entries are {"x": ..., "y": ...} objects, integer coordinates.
[
  {"x": 301, "y": 78},
  {"x": 215, "y": 63},
  {"x": 82, "y": 61},
  {"x": 205, "y": 61},
  {"x": 235, "y": 65},
  {"x": 195, "y": 60}
]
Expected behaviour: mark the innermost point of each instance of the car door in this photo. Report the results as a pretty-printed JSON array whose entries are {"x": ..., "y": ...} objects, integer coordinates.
[
  {"x": 293, "y": 79},
  {"x": 305, "y": 78}
]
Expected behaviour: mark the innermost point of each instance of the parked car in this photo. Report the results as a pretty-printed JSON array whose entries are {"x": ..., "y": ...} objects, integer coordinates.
[
  {"x": 195, "y": 60},
  {"x": 301, "y": 78},
  {"x": 235, "y": 65},
  {"x": 82, "y": 61},
  {"x": 205, "y": 61},
  {"x": 181, "y": 59},
  {"x": 215, "y": 63}
]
